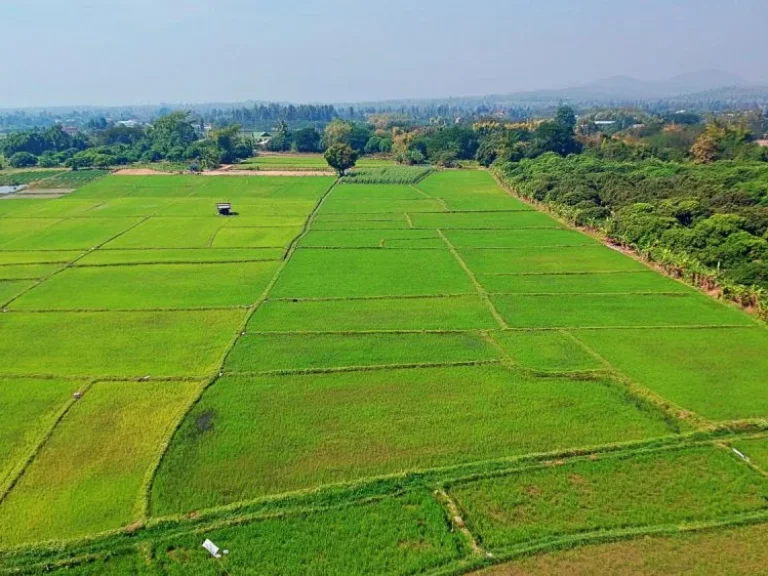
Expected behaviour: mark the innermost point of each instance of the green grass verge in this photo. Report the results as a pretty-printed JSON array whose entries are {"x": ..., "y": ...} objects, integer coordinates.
[
  {"x": 718, "y": 373},
  {"x": 88, "y": 476},
  {"x": 670, "y": 487},
  {"x": 119, "y": 344},
  {"x": 152, "y": 286},
  {"x": 249, "y": 437}
]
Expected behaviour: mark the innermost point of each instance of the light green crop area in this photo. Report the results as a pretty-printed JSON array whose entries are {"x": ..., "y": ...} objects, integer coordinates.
[
  {"x": 254, "y": 436},
  {"x": 323, "y": 382},
  {"x": 88, "y": 476}
]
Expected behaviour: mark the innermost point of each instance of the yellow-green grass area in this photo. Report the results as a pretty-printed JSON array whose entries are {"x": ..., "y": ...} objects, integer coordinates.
[
  {"x": 27, "y": 271},
  {"x": 280, "y": 161},
  {"x": 335, "y": 205},
  {"x": 88, "y": 476},
  {"x": 369, "y": 192},
  {"x": 12, "y": 228},
  {"x": 372, "y": 239},
  {"x": 30, "y": 409},
  {"x": 550, "y": 237},
  {"x": 425, "y": 313},
  {"x": 72, "y": 233},
  {"x": 597, "y": 283},
  {"x": 732, "y": 552},
  {"x": 108, "y": 256},
  {"x": 717, "y": 373},
  {"x": 577, "y": 259},
  {"x": 756, "y": 450},
  {"x": 483, "y": 220},
  {"x": 38, "y": 256},
  {"x": 117, "y": 344},
  {"x": 578, "y": 497},
  {"x": 400, "y": 535},
  {"x": 231, "y": 237},
  {"x": 263, "y": 352},
  {"x": 625, "y": 310},
  {"x": 151, "y": 286},
  {"x": 355, "y": 273},
  {"x": 252, "y": 436},
  {"x": 11, "y": 288},
  {"x": 547, "y": 350}
]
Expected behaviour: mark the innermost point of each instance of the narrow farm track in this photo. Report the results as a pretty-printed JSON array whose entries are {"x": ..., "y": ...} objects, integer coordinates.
[{"x": 399, "y": 382}]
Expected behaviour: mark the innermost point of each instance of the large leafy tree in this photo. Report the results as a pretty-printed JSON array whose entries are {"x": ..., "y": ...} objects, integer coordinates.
[{"x": 340, "y": 157}]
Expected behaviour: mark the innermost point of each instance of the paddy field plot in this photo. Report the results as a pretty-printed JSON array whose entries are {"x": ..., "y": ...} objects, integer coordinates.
[
  {"x": 88, "y": 476},
  {"x": 626, "y": 310},
  {"x": 296, "y": 381},
  {"x": 663, "y": 488},
  {"x": 30, "y": 409},
  {"x": 357, "y": 273},
  {"x": 718, "y": 373},
  {"x": 119, "y": 344},
  {"x": 425, "y": 313},
  {"x": 252, "y": 436},
  {"x": 260, "y": 352},
  {"x": 151, "y": 286}
]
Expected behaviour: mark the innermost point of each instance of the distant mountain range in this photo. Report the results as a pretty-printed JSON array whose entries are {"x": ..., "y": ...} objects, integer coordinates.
[{"x": 627, "y": 88}]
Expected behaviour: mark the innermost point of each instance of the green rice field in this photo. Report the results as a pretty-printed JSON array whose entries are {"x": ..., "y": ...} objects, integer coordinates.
[{"x": 362, "y": 377}]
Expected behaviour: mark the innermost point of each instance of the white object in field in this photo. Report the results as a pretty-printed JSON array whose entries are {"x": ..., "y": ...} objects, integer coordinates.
[
  {"x": 212, "y": 548},
  {"x": 739, "y": 454}
]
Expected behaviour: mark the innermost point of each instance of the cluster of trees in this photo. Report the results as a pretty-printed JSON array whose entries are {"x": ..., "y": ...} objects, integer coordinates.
[
  {"x": 713, "y": 215},
  {"x": 361, "y": 137},
  {"x": 176, "y": 137}
]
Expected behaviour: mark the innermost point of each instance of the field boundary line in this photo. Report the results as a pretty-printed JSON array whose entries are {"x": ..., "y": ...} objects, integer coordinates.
[
  {"x": 364, "y": 368},
  {"x": 124, "y": 310},
  {"x": 673, "y": 413},
  {"x": 179, "y": 262},
  {"x": 142, "y": 504},
  {"x": 72, "y": 262},
  {"x": 456, "y": 521},
  {"x": 478, "y": 287},
  {"x": 741, "y": 457},
  {"x": 507, "y": 359},
  {"x": 420, "y": 191},
  {"x": 241, "y": 331},
  {"x": 18, "y": 473},
  {"x": 408, "y": 219}
]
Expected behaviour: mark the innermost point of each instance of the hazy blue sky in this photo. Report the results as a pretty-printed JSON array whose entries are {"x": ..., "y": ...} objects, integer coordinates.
[{"x": 62, "y": 52}]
